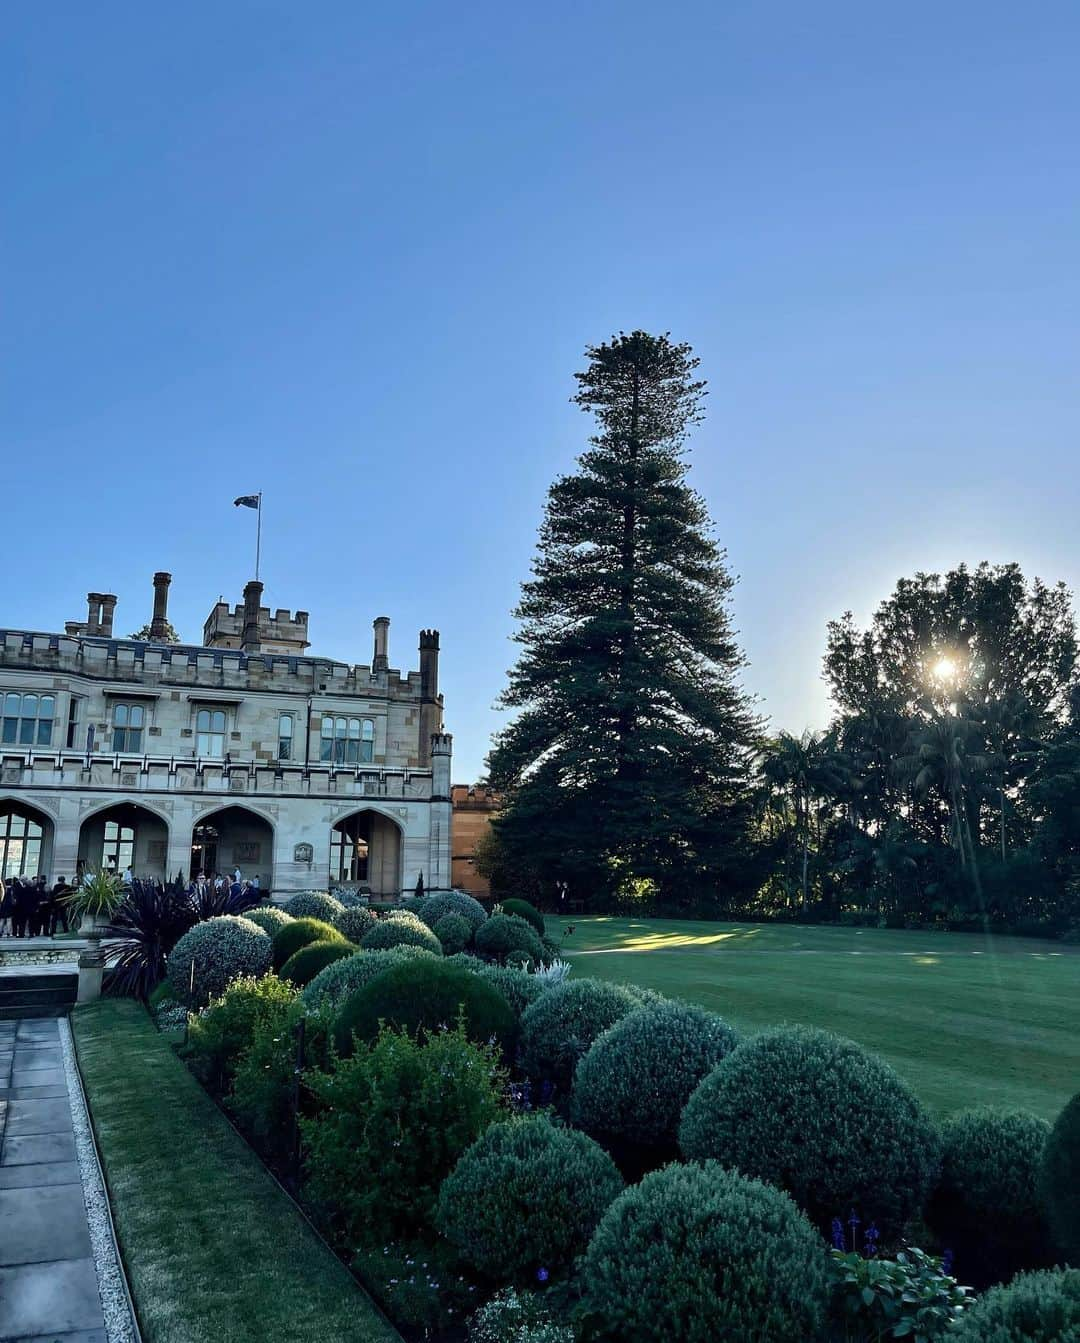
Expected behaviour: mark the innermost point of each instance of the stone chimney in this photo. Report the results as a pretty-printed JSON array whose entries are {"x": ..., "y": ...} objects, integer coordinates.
[
  {"x": 252, "y": 600},
  {"x": 381, "y": 660},
  {"x": 108, "y": 608},
  {"x": 160, "y": 621},
  {"x": 429, "y": 664},
  {"x": 93, "y": 612}
]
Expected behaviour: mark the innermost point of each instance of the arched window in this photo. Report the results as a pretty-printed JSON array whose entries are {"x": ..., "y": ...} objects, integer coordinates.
[
  {"x": 349, "y": 849},
  {"x": 28, "y": 720},
  {"x": 347, "y": 741},
  {"x": 210, "y": 734},
  {"x": 128, "y": 721},
  {"x": 284, "y": 737},
  {"x": 20, "y": 845}
]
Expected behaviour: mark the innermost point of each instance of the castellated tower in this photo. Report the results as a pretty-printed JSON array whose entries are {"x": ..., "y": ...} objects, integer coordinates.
[{"x": 442, "y": 749}]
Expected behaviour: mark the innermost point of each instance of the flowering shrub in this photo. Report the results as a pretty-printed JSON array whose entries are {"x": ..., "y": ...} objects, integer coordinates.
[
  {"x": 314, "y": 905},
  {"x": 269, "y": 918},
  {"x": 1059, "y": 1180},
  {"x": 354, "y": 921},
  {"x": 454, "y": 932},
  {"x": 1033, "y": 1308},
  {"x": 332, "y": 986},
  {"x": 431, "y": 908},
  {"x": 505, "y": 937},
  {"x": 516, "y": 1317},
  {"x": 911, "y": 1296},
  {"x": 821, "y": 1117},
  {"x": 264, "y": 1081},
  {"x": 219, "y": 1035},
  {"x": 302, "y": 967},
  {"x": 300, "y": 933},
  {"x": 392, "y": 1122},
  {"x": 633, "y": 1083},
  {"x": 697, "y": 1253},
  {"x": 207, "y": 959},
  {"x": 561, "y": 1027},
  {"x": 398, "y": 930},
  {"x": 417, "y": 1284},
  {"x": 986, "y": 1205},
  {"x": 526, "y": 1195}
]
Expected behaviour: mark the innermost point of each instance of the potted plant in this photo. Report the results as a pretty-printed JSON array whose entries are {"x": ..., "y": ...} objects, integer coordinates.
[{"x": 94, "y": 901}]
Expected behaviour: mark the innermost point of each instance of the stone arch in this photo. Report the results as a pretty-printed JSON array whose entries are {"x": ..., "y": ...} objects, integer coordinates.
[
  {"x": 233, "y": 835},
  {"x": 27, "y": 835},
  {"x": 367, "y": 846},
  {"x": 124, "y": 834}
]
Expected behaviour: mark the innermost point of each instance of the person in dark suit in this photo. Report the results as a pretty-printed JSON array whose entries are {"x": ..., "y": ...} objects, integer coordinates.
[
  {"x": 38, "y": 902},
  {"x": 20, "y": 906},
  {"x": 5, "y": 908},
  {"x": 58, "y": 906}
]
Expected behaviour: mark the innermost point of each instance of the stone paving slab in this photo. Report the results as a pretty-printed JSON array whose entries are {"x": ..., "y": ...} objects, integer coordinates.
[
  {"x": 38, "y": 1077},
  {"x": 81, "y": 1336},
  {"x": 52, "y": 1092},
  {"x": 33, "y": 1151},
  {"x": 41, "y": 1175},
  {"x": 39, "y": 1116},
  {"x": 42, "y": 1224},
  {"x": 50, "y": 1299}
]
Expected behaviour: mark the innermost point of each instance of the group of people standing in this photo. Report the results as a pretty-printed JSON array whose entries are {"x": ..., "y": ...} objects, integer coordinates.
[{"x": 29, "y": 907}]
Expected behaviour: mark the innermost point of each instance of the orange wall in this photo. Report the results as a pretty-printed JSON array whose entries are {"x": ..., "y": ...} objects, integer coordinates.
[{"x": 473, "y": 808}]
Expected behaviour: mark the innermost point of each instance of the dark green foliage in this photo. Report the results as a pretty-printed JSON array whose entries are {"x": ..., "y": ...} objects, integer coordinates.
[
  {"x": 433, "y": 907},
  {"x": 418, "y": 1283},
  {"x": 354, "y": 921},
  {"x": 526, "y": 1195},
  {"x": 910, "y": 1296},
  {"x": 626, "y": 768},
  {"x": 332, "y": 986},
  {"x": 314, "y": 905},
  {"x": 206, "y": 960},
  {"x": 219, "y": 1035},
  {"x": 558, "y": 1030},
  {"x": 824, "y": 1119},
  {"x": 150, "y": 921},
  {"x": 696, "y": 1254},
  {"x": 264, "y": 1080},
  {"x": 299, "y": 934},
  {"x": 429, "y": 996},
  {"x": 454, "y": 932},
  {"x": 401, "y": 929},
  {"x": 269, "y": 918},
  {"x": 986, "y": 1207},
  {"x": 505, "y": 937},
  {"x": 1059, "y": 1181},
  {"x": 633, "y": 1083},
  {"x": 518, "y": 987},
  {"x": 524, "y": 910},
  {"x": 303, "y": 965},
  {"x": 1033, "y": 1308},
  {"x": 391, "y": 1123},
  {"x": 162, "y": 994}
]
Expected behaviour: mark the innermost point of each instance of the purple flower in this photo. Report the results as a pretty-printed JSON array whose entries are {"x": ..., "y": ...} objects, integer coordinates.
[
  {"x": 542, "y": 1275},
  {"x": 871, "y": 1236},
  {"x": 946, "y": 1263},
  {"x": 837, "y": 1234}
]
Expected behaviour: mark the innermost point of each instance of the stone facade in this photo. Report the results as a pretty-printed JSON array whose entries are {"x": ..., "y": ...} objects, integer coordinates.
[
  {"x": 473, "y": 808},
  {"x": 168, "y": 758}
]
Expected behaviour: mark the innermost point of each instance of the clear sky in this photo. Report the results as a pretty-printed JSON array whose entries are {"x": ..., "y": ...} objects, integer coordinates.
[{"x": 350, "y": 255}]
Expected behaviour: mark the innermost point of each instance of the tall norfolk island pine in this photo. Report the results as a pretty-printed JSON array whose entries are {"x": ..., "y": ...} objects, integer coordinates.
[{"x": 629, "y": 759}]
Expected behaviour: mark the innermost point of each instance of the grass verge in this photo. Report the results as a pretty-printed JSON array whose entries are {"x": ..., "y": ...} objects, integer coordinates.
[{"x": 214, "y": 1251}]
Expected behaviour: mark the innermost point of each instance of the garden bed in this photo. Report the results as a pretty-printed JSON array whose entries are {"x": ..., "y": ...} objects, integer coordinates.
[{"x": 213, "y": 1248}]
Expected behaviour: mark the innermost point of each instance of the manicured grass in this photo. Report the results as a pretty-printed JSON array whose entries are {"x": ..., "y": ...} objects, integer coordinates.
[
  {"x": 214, "y": 1251},
  {"x": 967, "y": 1020}
]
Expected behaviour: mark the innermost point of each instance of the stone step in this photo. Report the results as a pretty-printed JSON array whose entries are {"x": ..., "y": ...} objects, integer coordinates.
[{"x": 37, "y": 995}]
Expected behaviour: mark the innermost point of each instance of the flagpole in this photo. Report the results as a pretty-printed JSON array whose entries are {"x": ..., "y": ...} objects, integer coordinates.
[{"x": 258, "y": 536}]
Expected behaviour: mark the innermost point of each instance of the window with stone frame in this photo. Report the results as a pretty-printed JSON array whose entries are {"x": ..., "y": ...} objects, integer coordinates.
[
  {"x": 285, "y": 736},
  {"x": 74, "y": 722},
  {"x": 210, "y": 725},
  {"x": 347, "y": 741},
  {"x": 28, "y": 720},
  {"x": 128, "y": 723}
]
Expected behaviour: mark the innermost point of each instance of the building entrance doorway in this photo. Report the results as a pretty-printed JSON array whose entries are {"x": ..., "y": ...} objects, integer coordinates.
[{"x": 204, "y": 850}]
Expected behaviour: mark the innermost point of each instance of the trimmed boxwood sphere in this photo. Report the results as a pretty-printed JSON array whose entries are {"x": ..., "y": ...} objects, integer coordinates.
[
  {"x": 560, "y": 1027},
  {"x": 505, "y": 936},
  {"x": 269, "y": 918},
  {"x": 354, "y": 922},
  {"x": 314, "y": 905},
  {"x": 1059, "y": 1180},
  {"x": 401, "y": 930},
  {"x": 824, "y": 1119},
  {"x": 633, "y": 1083},
  {"x": 694, "y": 1254},
  {"x": 518, "y": 987},
  {"x": 986, "y": 1206},
  {"x": 526, "y": 1195},
  {"x": 524, "y": 910},
  {"x": 453, "y": 932},
  {"x": 302, "y": 967},
  {"x": 222, "y": 950},
  {"x": 332, "y": 986},
  {"x": 425, "y": 995},
  {"x": 1033, "y": 1308},
  {"x": 298, "y": 934},
  {"x": 431, "y": 908}
]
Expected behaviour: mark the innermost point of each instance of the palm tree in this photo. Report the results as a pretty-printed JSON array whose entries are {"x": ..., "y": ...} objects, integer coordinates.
[{"x": 803, "y": 770}]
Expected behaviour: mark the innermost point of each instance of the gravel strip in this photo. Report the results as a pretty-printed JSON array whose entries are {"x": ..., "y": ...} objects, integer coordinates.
[{"x": 120, "y": 1326}]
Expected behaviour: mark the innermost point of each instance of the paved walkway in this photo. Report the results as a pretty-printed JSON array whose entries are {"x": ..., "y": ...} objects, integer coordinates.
[{"x": 48, "y": 1284}]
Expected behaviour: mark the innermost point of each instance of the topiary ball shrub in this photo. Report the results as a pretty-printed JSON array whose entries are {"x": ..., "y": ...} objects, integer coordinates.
[
  {"x": 269, "y": 918},
  {"x": 631, "y": 1087},
  {"x": 454, "y": 933},
  {"x": 350, "y": 899},
  {"x": 986, "y": 1207},
  {"x": 526, "y": 1195},
  {"x": 338, "y": 981},
  {"x": 220, "y": 950},
  {"x": 524, "y": 910},
  {"x": 505, "y": 936},
  {"x": 314, "y": 905},
  {"x": 697, "y": 1253},
  {"x": 1059, "y": 1181},
  {"x": 425, "y": 995},
  {"x": 299, "y": 934},
  {"x": 518, "y": 987},
  {"x": 401, "y": 930},
  {"x": 302, "y": 967},
  {"x": 431, "y": 908},
  {"x": 355, "y": 922},
  {"x": 1033, "y": 1308},
  {"x": 560, "y": 1028},
  {"x": 824, "y": 1119}
]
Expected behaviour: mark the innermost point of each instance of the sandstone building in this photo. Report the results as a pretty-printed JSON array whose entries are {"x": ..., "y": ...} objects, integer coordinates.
[
  {"x": 244, "y": 751},
  {"x": 473, "y": 807}
]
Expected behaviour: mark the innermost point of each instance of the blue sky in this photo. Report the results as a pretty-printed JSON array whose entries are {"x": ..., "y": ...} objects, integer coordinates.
[{"x": 350, "y": 255}]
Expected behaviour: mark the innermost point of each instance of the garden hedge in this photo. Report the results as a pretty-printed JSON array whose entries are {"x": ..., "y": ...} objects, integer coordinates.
[
  {"x": 269, "y": 918},
  {"x": 558, "y": 1030},
  {"x": 431, "y": 908},
  {"x": 302, "y": 967},
  {"x": 314, "y": 905},
  {"x": 401, "y": 929},
  {"x": 298, "y": 934},
  {"x": 506, "y": 937},
  {"x": 1034, "y": 1308},
  {"x": 218, "y": 1035},
  {"x": 632, "y": 1085},
  {"x": 986, "y": 1206},
  {"x": 425, "y": 995},
  {"x": 526, "y": 1195},
  {"x": 354, "y": 922},
  {"x": 821, "y": 1117},
  {"x": 1059, "y": 1180},
  {"x": 338, "y": 981},
  {"x": 694, "y": 1254},
  {"x": 454, "y": 933},
  {"x": 518, "y": 987},
  {"x": 524, "y": 910},
  {"x": 220, "y": 950}
]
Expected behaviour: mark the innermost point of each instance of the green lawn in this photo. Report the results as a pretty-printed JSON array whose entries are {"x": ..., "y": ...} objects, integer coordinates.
[
  {"x": 967, "y": 1020},
  {"x": 214, "y": 1251}
]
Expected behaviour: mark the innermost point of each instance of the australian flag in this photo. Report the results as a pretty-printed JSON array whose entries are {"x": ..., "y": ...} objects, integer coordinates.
[{"x": 246, "y": 501}]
